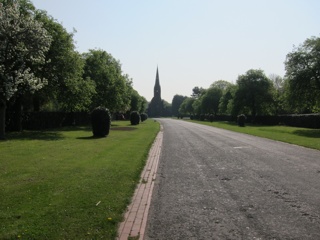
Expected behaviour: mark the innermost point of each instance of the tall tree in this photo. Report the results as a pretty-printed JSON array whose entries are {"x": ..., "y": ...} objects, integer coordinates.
[
  {"x": 187, "y": 106},
  {"x": 176, "y": 103},
  {"x": 226, "y": 101},
  {"x": 279, "y": 93},
  {"x": 254, "y": 94},
  {"x": 210, "y": 100},
  {"x": 66, "y": 86},
  {"x": 23, "y": 42},
  {"x": 221, "y": 84},
  {"x": 137, "y": 103},
  {"x": 197, "y": 92},
  {"x": 111, "y": 85},
  {"x": 303, "y": 74}
]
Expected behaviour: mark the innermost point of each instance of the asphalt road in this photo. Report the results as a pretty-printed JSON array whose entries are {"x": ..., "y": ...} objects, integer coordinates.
[{"x": 217, "y": 184}]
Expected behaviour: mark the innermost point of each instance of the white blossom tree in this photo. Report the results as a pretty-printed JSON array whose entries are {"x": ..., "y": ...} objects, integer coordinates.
[{"x": 23, "y": 41}]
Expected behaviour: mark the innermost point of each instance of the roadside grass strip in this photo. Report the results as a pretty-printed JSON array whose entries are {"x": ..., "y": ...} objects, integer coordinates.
[
  {"x": 305, "y": 137},
  {"x": 65, "y": 184}
]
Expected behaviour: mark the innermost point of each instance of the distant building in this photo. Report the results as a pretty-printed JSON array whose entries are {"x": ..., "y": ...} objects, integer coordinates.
[{"x": 155, "y": 108}]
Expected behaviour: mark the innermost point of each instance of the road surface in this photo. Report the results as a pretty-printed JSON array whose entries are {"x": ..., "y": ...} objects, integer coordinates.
[{"x": 217, "y": 184}]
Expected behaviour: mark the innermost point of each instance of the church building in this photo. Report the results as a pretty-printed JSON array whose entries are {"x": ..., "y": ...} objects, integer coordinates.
[{"x": 155, "y": 108}]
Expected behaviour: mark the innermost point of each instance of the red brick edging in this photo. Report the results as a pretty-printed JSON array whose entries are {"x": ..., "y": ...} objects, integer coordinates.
[{"x": 135, "y": 219}]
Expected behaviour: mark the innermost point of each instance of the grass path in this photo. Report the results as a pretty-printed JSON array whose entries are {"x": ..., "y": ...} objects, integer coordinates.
[{"x": 64, "y": 184}]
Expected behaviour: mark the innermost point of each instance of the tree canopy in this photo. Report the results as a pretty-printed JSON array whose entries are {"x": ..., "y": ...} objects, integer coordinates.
[
  {"x": 111, "y": 84},
  {"x": 303, "y": 76},
  {"x": 254, "y": 94},
  {"x": 23, "y": 42}
]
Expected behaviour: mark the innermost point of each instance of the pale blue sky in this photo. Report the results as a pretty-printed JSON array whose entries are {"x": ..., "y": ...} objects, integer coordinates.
[{"x": 193, "y": 42}]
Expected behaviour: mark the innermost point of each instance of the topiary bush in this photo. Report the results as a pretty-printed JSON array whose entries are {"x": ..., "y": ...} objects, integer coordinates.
[
  {"x": 143, "y": 117},
  {"x": 134, "y": 118},
  {"x": 241, "y": 120},
  {"x": 101, "y": 121}
]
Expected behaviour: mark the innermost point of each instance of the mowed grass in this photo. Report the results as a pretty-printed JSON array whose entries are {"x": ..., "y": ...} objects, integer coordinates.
[
  {"x": 64, "y": 184},
  {"x": 300, "y": 136}
]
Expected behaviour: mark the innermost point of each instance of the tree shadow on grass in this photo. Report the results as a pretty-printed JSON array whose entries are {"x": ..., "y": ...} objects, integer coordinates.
[
  {"x": 91, "y": 138},
  {"x": 123, "y": 128},
  {"x": 312, "y": 133},
  {"x": 35, "y": 135}
]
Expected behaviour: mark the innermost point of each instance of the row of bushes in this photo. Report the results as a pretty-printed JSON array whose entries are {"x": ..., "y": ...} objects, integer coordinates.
[
  {"x": 46, "y": 120},
  {"x": 49, "y": 120},
  {"x": 295, "y": 120}
]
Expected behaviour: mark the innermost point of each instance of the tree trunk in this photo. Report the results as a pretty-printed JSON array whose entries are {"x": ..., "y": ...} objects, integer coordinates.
[
  {"x": 17, "y": 115},
  {"x": 2, "y": 119},
  {"x": 36, "y": 103}
]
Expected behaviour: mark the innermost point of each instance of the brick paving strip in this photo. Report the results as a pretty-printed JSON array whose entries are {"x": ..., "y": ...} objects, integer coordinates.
[{"x": 135, "y": 219}]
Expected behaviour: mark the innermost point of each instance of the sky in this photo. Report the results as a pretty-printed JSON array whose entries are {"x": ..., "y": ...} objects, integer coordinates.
[{"x": 192, "y": 42}]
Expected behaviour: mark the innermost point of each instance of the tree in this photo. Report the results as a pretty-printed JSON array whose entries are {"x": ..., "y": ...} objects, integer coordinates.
[
  {"x": 137, "y": 103},
  {"x": 167, "y": 109},
  {"x": 66, "y": 88},
  {"x": 210, "y": 100},
  {"x": 303, "y": 74},
  {"x": 254, "y": 94},
  {"x": 279, "y": 93},
  {"x": 176, "y": 103},
  {"x": 111, "y": 85},
  {"x": 187, "y": 106},
  {"x": 226, "y": 101},
  {"x": 221, "y": 84},
  {"x": 23, "y": 42},
  {"x": 197, "y": 92}
]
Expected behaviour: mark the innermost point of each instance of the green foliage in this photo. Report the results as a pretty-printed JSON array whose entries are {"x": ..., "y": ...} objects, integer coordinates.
[
  {"x": 111, "y": 86},
  {"x": 302, "y": 71},
  {"x": 226, "y": 100},
  {"x": 197, "y": 92},
  {"x": 209, "y": 101},
  {"x": 23, "y": 43},
  {"x": 241, "y": 119},
  {"x": 137, "y": 102},
  {"x": 101, "y": 122},
  {"x": 167, "y": 109},
  {"x": 176, "y": 103},
  {"x": 186, "y": 106},
  {"x": 254, "y": 94},
  {"x": 134, "y": 118},
  {"x": 143, "y": 117},
  {"x": 221, "y": 84}
]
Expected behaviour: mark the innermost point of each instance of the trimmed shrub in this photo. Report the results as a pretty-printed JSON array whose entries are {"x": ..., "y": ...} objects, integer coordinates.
[
  {"x": 191, "y": 117},
  {"x": 241, "y": 120},
  {"x": 211, "y": 117},
  {"x": 202, "y": 117},
  {"x": 143, "y": 117},
  {"x": 101, "y": 121},
  {"x": 134, "y": 118}
]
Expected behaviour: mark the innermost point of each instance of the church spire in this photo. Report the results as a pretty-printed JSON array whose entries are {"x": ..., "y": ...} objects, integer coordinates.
[
  {"x": 157, "y": 88},
  {"x": 155, "y": 108}
]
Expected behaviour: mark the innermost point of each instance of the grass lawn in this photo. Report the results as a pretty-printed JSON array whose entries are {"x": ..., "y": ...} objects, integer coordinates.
[
  {"x": 300, "y": 136},
  {"x": 64, "y": 184}
]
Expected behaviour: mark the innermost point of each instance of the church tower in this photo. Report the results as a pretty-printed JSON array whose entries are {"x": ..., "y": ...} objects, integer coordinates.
[{"x": 156, "y": 106}]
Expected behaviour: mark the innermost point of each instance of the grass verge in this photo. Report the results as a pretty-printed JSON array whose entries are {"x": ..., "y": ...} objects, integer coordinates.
[
  {"x": 64, "y": 184},
  {"x": 300, "y": 136}
]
